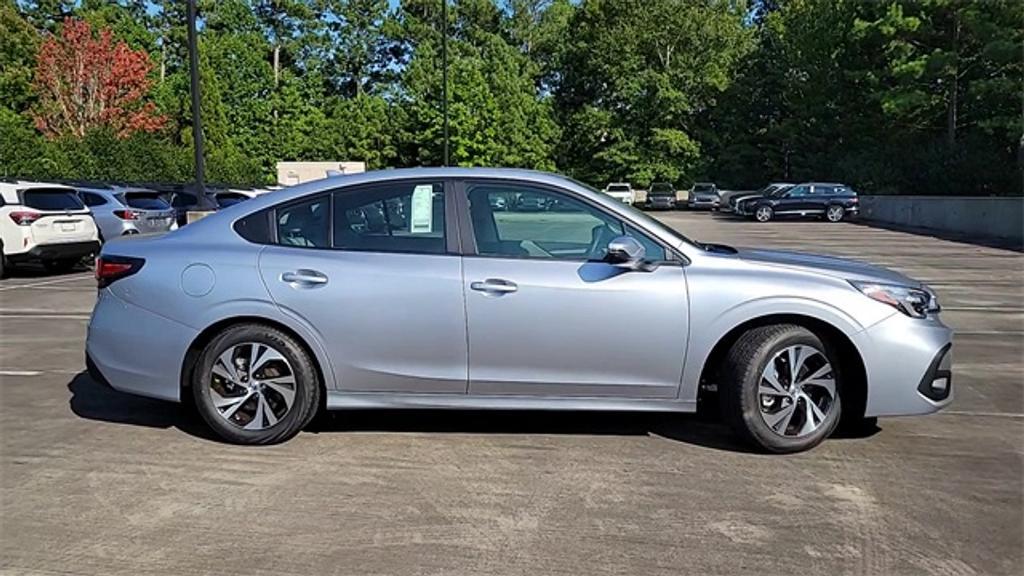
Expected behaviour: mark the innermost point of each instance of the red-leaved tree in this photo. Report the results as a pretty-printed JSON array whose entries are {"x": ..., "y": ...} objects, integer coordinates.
[{"x": 86, "y": 80}]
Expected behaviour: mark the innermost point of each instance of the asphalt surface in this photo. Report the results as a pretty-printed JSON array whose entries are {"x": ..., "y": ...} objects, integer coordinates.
[{"x": 97, "y": 482}]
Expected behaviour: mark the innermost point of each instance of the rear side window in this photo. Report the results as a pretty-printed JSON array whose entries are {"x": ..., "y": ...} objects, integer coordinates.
[
  {"x": 91, "y": 199},
  {"x": 304, "y": 224},
  {"x": 391, "y": 217},
  {"x": 43, "y": 199},
  {"x": 145, "y": 201}
]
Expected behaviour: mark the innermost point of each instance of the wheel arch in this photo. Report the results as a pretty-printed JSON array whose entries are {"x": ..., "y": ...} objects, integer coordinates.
[
  {"x": 195, "y": 348},
  {"x": 850, "y": 358}
]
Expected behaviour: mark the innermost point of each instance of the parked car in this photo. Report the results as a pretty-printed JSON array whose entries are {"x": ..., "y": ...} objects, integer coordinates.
[
  {"x": 661, "y": 196},
  {"x": 530, "y": 203},
  {"x": 120, "y": 211},
  {"x": 703, "y": 195},
  {"x": 265, "y": 312},
  {"x": 621, "y": 191},
  {"x": 184, "y": 201},
  {"x": 45, "y": 223},
  {"x": 834, "y": 202},
  {"x": 730, "y": 199}
]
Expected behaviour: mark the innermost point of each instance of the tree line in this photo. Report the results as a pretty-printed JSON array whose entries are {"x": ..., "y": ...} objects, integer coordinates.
[{"x": 890, "y": 96}]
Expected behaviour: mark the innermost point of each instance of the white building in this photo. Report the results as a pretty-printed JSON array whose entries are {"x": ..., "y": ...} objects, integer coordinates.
[{"x": 292, "y": 173}]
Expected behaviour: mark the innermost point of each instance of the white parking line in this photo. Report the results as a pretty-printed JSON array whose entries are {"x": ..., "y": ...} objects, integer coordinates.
[
  {"x": 20, "y": 373},
  {"x": 82, "y": 316},
  {"x": 46, "y": 283},
  {"x": 982, "y": 414}
]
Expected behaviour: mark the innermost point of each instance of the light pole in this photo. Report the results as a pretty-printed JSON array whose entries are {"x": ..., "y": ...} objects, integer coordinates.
[
  {"x": 197, "y": 125},
  {"x": 444, "y": 74}
]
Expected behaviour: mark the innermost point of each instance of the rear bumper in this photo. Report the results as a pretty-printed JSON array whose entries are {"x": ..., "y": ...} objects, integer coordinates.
[
  {"x": 57, "y": 251},
  {"x": 134, "y": 350},
  {"x": 909, "y": 366}
]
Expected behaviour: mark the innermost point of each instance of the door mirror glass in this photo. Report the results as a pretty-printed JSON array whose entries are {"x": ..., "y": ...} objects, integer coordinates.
[{"x": 626, "y": 252}]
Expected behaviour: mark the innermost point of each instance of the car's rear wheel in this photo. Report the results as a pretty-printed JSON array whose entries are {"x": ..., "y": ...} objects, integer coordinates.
[
  {"x": 781, "y": 388},
  {"x": 764, "y": 213},
  {"x": 835, "y": 213},
  {"x": 254, "y": 384}
]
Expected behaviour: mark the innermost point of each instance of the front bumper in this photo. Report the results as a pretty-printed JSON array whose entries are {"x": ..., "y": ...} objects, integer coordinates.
[
  {"x": 661, "y": 202},
  {"x": 703, "y": 203},
  {"x": 62, "y": 251},
  {"x": 908, "y": 363}
]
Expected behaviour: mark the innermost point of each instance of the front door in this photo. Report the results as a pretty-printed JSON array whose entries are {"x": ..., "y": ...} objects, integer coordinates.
[
  {"x": 547, "y": 317},
  {"x": 369, "y": 269}
]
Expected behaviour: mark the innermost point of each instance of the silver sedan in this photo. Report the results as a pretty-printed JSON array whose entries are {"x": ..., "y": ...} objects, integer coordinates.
[{"x": 409, "y": 289}]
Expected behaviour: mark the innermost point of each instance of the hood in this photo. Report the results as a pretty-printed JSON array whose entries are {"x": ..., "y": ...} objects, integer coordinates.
[{"x": 830, "y": 265}]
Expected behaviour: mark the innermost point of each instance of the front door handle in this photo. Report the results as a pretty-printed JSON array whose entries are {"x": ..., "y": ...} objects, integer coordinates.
[
  {"x": 494, "y": 286},
  {"x": 304, "y": 278}
]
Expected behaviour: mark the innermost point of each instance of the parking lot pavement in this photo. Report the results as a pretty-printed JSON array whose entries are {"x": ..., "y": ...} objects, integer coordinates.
[{"x": 96, "y": 482}]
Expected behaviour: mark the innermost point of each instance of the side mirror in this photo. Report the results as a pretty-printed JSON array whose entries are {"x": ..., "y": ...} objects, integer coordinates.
[{"x": 626, "y": 252}]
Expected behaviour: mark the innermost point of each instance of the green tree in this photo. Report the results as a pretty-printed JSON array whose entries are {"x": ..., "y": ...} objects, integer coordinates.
[{"x": 636, "y": 76}]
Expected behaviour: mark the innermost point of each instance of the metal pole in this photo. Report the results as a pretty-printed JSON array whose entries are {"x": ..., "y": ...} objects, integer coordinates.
[
  {"x": 444, "y": 74},
  {"x": 197, "y": 124}
]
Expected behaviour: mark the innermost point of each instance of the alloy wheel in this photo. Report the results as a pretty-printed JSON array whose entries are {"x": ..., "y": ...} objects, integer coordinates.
[
  {"x": 797, "y": 391},
  {"x": 834, "y": 214},
  {"x": 252, "y": 386},
  {"x": 763, "y": 214}
]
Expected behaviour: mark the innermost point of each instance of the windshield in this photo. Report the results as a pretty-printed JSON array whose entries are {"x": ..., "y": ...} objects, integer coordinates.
[
  {"x": 779, "y": 191},
  {"x": 618, "y": 188},
  {"x": 144, "y": 201},
  {"x": 662, "y": 189},
  {"x": 703, "y": 187},
  {"x": 51, "y": 199}
]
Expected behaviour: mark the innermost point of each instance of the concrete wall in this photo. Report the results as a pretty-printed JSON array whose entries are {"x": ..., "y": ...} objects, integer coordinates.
[{"x": 996, "y": 218}]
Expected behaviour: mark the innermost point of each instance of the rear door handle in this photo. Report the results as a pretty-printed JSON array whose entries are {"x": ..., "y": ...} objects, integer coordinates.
[
  {"x": 494, "y": 286},
  {"x": 305, "y": 278}
]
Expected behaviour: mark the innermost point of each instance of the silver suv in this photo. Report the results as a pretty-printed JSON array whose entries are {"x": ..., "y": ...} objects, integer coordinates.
[
  {"x": 121, "y": 211},
  {"x": 408, "y": 289}
]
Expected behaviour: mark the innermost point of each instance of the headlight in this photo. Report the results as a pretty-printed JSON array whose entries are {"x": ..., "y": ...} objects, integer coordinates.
[{"x": 914, "y": 302}]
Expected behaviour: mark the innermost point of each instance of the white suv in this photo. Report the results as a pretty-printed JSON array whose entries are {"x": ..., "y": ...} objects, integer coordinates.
[
  {"x": 45, "y": 223},
  {"x": 621, "y": 191}
]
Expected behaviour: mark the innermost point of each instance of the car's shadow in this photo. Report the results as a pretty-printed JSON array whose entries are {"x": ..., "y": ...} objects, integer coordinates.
[{"x": 97, "y": 402}]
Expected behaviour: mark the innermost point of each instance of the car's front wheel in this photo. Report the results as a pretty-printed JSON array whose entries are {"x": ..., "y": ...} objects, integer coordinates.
[
  {"x": 781, "y": 388},
  {"x": 764, "y": 213},
  {"x": 254, "y": 384}
]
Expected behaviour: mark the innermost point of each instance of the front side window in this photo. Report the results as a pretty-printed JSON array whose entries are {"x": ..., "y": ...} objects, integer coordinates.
[
  {"x": 798, "y": 191},
  {"x": 391, "y": 217},
  {"x": 304, "y": 224},
  {"x": 184, "y": 200},
  {"x": 543, "y": 224}
]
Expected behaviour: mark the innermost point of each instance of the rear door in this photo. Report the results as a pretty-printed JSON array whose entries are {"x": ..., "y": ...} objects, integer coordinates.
[
  {"x": 375, "y": 272},
  {"x": 64, "y": 218}
]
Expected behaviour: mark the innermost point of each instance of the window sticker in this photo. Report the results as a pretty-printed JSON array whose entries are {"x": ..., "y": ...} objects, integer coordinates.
[{"x": 422, "y": 220}]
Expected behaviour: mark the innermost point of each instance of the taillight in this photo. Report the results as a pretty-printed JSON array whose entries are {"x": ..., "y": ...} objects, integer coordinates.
[
  {"x": 126, "y": 214},
  {"x": 25, "y": 218},
  {"x": 112, "y": 268}
]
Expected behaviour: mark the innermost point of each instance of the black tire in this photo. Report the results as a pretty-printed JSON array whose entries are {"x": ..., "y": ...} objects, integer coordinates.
[
  {"x": 741, "y": 377},
  {"x": 306, "y": 390},
  {"x": 3, "y": 262},
  {"x": 61, "y": 266},
  {"x": 763, "y": 213}
]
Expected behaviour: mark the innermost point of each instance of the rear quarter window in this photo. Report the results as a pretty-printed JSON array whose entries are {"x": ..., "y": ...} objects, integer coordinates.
[
  {"x": 255, "y": 227},
  {"x": 51, "y": 199}
]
